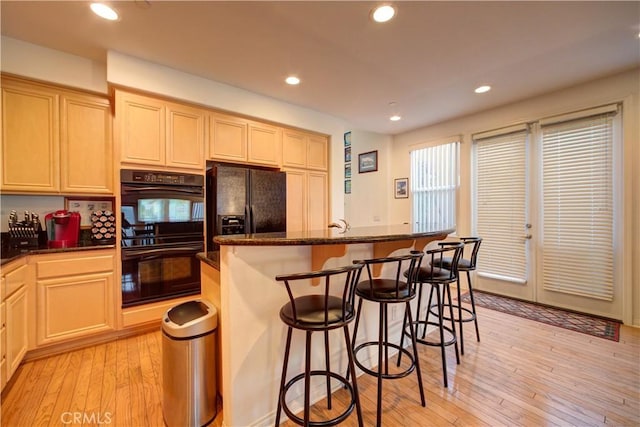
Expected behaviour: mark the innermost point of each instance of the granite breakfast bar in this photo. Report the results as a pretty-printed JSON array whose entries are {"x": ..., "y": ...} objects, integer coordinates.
[{"x": 239, "y": 280}]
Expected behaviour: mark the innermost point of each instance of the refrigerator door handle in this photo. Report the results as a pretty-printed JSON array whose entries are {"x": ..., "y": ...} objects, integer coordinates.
[
  {"x": 253, "y": 220},
  {"x": 247, "y": 219}
]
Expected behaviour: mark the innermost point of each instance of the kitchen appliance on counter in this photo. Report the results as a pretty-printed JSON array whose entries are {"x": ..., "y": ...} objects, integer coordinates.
[
  {"x": 27, "y": 233},
  {"x": 162, "y": 226},
  {"x": 245, "y": 200},
  {"x": 63, "y": 228}
]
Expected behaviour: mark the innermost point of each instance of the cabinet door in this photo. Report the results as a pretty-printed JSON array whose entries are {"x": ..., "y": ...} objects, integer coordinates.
[
  {"x": 74, "y": 306},
  {"x": 86, "y": 145},
  {"x": 17, "y": 332},
  {"x": 140, "y": 126},
  {"x": 296, "y": 200},
  {"x": 294, "y": 149},
  {"x": 30, "y": 138},
  {"x": 185, "y": 137},
  {"x": 318, "y": 200},
  {"x": 227, "y": 138},
  {"x": 264, "y": 145},
  {"x": 317, "y": 152}
]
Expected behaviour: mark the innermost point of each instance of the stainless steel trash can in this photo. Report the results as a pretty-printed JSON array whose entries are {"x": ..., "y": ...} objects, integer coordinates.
[{"x": 189, "y": 365}]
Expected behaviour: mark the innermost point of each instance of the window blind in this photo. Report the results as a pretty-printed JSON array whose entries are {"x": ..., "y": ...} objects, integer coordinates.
[
  {"x": 434, "y": 184},
  {"x": 577, "y": 197},
  {"x": 500, "y": 204}
]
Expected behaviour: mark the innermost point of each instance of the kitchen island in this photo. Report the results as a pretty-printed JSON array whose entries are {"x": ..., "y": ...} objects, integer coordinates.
[{"x": 239, "y": 280}]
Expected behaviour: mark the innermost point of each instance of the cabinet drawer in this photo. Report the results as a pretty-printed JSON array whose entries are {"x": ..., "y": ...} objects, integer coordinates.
[
  {"x": 15, "y": 279},
  {"x": 72, "y": 266}
]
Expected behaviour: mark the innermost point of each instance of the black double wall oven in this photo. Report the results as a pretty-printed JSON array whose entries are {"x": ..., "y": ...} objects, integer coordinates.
[{"x": 162, "y": 218}]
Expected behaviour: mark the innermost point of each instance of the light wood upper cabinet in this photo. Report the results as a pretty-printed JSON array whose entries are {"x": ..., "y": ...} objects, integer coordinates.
[
  {"x": 264, "y": 144},
  {"x": 140, "y": 124},
  {"x": 304, "y": 150},
  {"x": 234, "y": 139},
  {"x": 54, "y": 140},
  {"x": 156, "y": 132},
  {"x": 30, "y": 137},
  {"x": 227, "y": 138},
  {"x": 185, "y": 136},
  {"x": 86, "y": 147},
  {"x": 307, "y": 200}
]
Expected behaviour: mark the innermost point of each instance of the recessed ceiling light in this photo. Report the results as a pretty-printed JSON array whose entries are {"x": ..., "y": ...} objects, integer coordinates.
[
  {"x": 292, "y": 80},
  {"x": 395, "y": 118},
  {"x": 482, "y": 89},
  {"x": 383, "y": 13},
  {"x": 104, "y": 11}
]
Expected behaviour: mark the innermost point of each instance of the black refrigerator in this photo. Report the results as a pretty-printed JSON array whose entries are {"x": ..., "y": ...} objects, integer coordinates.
[{"x": 245, "y": 200}]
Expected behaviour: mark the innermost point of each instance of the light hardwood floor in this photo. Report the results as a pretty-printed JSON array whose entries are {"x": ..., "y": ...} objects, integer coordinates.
[{"x": 523, "y": 373}]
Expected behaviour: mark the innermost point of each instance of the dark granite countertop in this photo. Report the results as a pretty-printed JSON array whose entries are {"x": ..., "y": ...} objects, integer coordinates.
[
  {"x": 333, "y": 236},
  {"x": 9, "y": 253},
  {"x": 212, "y": 258}
]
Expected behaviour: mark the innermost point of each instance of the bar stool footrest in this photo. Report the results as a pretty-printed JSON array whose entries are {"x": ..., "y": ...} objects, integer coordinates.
[
  {"x": 397, "y": 375},
  {"x": 467, "y": 315},
  {"x": 324, "y": 423},
  {"x": 452, "y": 340}
]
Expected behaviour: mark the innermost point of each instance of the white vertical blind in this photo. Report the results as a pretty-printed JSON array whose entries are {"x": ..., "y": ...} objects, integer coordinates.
[
  {"x": 501, "y": 204},
  {"x": 577, "y": 197},
  {"x": 434, "y": 184}
]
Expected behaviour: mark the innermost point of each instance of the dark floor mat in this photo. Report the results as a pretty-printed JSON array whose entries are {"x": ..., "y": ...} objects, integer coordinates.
[{"x": 587, "y": 324}]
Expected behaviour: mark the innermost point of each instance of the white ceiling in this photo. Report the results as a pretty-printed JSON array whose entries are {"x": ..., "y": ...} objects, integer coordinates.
[{"x": 428, "y": 60}]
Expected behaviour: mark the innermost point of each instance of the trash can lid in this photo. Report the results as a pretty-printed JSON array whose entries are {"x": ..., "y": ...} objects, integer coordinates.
[{"x": 190, "y": 318}]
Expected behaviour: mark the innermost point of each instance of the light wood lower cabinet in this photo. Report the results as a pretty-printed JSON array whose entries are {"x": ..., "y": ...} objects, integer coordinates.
[
  {"x": 17, "y": 332},
  {"x": 74, "y": 294},
  {"x": 307, "y": 200},
  {"x": 14, "y": 321}
]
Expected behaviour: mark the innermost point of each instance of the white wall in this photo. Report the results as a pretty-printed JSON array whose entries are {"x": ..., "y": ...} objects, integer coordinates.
[
  {"x": 41, "y": 63},
  {"x": 368, "y": 203},
  {"x": 620, "y": 87}
]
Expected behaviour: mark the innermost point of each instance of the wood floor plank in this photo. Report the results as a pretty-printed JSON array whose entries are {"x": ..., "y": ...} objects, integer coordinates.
[
  {"x": 109, "y": 382},
  {"x": 67, "y": 387},
  {"x": 152, "y": 397},
  {"x": 94, "y": 392}
]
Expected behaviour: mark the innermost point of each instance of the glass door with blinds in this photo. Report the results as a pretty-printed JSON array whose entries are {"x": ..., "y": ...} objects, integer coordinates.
[{"x": 547, "y": 207}]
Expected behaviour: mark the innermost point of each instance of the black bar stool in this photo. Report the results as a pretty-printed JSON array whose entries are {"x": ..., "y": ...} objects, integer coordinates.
[
  {"x": 439, "y": 279},
  {"x": 384, "y": 292},
  {"x": 319, "y": 312},
  {"x": 466, "y": 264}
]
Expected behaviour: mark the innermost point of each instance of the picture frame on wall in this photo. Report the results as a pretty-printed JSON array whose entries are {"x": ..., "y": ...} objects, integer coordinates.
[
  {"x": 347, "y": 154},
  {"x": 347, "y": 170},
  {"x": 347, "y": 186},
  {"x": 347, "y": 139},
  {"x": 401, "y": 188},
  {"x": 368, "y": 162}
]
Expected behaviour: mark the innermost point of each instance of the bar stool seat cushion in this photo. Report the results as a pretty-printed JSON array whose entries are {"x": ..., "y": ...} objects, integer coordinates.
[
  {"x": 463, "y": 264},
  {"x": 383, "y": 289},
  {"x": 311, "y": 311},
  {"x": 425, "y": 274}
]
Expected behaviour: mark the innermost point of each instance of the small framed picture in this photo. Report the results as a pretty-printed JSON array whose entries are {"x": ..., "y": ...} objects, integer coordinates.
[
  {"x": 347, "y": 186},
  {"x": 347, "y": 154},
  {"x": 401, "y": 186},
  {"x": 368, "y": 162},
  {"x": 347, "y": 170},
  {"x": 347, "y": 139}
]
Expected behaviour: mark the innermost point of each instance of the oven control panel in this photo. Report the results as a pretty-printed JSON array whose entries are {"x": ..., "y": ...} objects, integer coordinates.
[{"x": 158, "y": 177}]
